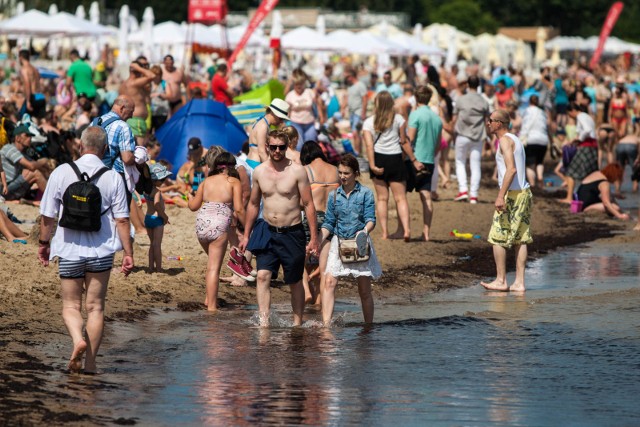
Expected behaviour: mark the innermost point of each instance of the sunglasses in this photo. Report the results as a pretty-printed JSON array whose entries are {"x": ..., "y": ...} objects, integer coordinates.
[
  {"x": 490, "y": 120},
  {"x": 277, "y": 147}
]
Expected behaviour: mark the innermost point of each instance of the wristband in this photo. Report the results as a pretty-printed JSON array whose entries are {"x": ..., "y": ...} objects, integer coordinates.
[{"x": 44, "y": 242}]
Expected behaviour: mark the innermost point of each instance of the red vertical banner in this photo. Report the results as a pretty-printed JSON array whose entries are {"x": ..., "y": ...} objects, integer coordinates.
[
  {"x": 207, "y": 11},
  {"x": 612, "y": 18},
  {"x": 265, "y": 8}
]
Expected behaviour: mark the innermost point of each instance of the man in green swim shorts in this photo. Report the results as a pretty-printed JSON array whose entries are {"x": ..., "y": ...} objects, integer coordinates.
[{"x": 138, "y": 88}]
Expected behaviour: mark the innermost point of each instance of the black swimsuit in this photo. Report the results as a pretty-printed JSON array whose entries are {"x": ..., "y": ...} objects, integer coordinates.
[{"x": 589, "y": 193}]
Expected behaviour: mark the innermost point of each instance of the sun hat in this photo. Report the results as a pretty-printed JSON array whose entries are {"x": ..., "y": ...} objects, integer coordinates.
[
  {"x": 158, "y": 171},
  {"x": 280, "y": 108},
  {"x": 140, "y": 154}
]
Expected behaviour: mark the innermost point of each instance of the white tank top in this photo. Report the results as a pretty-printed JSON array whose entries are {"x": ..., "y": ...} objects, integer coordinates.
[{"x": 520, "y": 180}]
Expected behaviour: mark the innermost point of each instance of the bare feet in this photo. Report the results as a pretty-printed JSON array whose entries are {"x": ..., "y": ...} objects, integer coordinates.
[
  {"x": 75, "y": 363},
  {"x": 396, "y": 236},
  {"x": 496, "y": 285},
  {"x": 517, "y": 287},
  {"x": 637, "y": 227}
]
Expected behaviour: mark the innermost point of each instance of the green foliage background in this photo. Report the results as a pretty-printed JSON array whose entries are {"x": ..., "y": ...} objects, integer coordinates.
[{"x": 572, "y": 17}]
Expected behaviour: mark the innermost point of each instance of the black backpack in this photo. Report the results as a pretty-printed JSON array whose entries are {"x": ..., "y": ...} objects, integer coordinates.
[{"x": 82, "y": 202}]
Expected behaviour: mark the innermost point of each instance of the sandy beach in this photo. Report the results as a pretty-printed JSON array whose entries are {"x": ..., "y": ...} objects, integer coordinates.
[{"x": 34, "y": 341}]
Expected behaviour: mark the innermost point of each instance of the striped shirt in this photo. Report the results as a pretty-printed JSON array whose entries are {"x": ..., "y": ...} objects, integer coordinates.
[
  {"x": 120, "y": 138},
  {"x": 11, "y": 157}
]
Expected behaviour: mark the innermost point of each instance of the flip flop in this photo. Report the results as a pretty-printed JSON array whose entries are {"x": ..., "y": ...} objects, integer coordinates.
[
  {"x": 362, "y": 242},
  {"x": 24, "y": 242}
]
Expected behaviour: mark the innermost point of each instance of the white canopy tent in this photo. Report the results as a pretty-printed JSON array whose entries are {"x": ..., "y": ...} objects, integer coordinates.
[
  {"x": 36, "y": 23},
  {"x": 305, "y": 38},
  {"x": 613, "y": 45},
  {"x": 414, "y": 45}
]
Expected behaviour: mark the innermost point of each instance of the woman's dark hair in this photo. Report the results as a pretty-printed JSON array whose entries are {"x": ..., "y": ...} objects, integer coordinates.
[
  {"x": 350, "y": 161},
  {"x": 574, "y": 106},
  {"x": 534, "y": 100},
  {"x": 310, "y": 151},
  {"x": 224, "y": 161}
]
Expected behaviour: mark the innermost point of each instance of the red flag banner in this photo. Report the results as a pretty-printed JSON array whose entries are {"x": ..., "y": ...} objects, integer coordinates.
[
  {"x": 612, "y": 17},
  {"x": 265, "y": 8},
  {"x": 207, "y": 11}
]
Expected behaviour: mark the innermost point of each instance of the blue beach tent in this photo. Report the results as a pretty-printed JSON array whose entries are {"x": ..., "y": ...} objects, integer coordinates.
[{"x": 206, "y": 119}]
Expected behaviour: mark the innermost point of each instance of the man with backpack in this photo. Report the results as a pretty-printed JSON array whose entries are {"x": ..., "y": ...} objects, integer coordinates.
[
  {"x": 94, "y": 225},
  {"x": 120, "y": 140}
]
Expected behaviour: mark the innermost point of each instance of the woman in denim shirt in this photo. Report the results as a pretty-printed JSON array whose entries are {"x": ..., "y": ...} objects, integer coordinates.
[{"x": 350, "y": 209}]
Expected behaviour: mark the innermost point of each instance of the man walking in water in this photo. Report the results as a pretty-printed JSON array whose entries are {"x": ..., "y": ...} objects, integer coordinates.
[
  {"x": 85, "y": 258},
  {"x": 137, "y": 88},
  {"x": 279, "y": 239},
  {"x": 512, "y": 218}
]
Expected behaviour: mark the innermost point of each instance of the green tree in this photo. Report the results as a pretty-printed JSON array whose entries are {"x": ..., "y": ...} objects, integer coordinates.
[{"x": 466, "y": 15}]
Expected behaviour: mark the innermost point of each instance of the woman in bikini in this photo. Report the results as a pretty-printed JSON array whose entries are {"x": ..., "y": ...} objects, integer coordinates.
[
  {"x": 216, "y": 199},
  {"x": 275, "y": 115},
  {"x": 618, "y": 115},
  {"x": 323, "y": 177}
]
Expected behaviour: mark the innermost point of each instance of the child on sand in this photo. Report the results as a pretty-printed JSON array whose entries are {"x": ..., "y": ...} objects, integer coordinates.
[
  {"x": 156, "y": 218},
  {"x": 216, "y": 199}
]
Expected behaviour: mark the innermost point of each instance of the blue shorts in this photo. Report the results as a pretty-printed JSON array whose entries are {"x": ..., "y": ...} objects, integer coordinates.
[
  {"x": 153, "y": 221},
  {"x": 356, "y": 121},
  {"x": 287, "y": 250},
  {"x": 77, "y": 269}
]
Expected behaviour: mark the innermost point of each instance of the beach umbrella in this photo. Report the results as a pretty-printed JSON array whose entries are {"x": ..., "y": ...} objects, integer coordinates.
[
  {"x": 123, "y": 56},
  {"x": 53, "y": 48},
  {"x": 94, "y": 18},
  {"x": 147, "y": 27},
  {"x": 209, "y": 120},
  {"x": 247, "y": 114},
  {"x": 81, "y": 13},
  {"x": 541, "y": 52}
]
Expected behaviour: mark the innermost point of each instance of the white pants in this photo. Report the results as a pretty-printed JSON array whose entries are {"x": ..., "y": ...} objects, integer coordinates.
[
  {"x": 434, "y": 177},
  {"x": 472, "y": 150}
]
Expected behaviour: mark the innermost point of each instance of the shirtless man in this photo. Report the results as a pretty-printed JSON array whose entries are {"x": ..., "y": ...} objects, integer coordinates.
[
  {"x": 174, "y": 78},
  {"x": 35, "y": 102},
  {"x": 137, "y": 88},
  {"x": 277, "y": 112},
  {"x": 279, "y": 239}
]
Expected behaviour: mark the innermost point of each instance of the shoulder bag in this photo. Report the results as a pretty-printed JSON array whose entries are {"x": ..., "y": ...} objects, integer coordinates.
[{"x": 348, "y": 248}]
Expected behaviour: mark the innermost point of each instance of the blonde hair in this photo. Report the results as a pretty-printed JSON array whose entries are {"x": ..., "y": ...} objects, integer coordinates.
[
  {"x": 292, "y": 136},
  {"x": 212, "y": 153},
  {"x": 503, "y": 117},
  {"x": 299, "y": 77},
  {"x": 383, "y": 111}
]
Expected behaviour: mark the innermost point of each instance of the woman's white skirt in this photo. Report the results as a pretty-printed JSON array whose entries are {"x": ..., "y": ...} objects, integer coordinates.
[{"x": 336, "y": 268}]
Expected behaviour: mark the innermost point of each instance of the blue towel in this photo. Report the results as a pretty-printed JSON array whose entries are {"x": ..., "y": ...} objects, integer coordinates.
[{"x": 260, "y": 236}]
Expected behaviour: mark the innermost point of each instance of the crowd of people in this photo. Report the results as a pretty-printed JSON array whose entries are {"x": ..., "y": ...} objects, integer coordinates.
[{"x": 292, "y": 199}]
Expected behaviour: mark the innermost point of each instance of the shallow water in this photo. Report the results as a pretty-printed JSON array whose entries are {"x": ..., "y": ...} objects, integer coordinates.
[{"x": 567, "y": 353}]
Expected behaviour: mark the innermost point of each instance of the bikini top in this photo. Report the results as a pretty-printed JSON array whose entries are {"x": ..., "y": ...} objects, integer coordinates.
[
  {"x": 316, "y": 184},
  {"x": 254, "y": 125}
]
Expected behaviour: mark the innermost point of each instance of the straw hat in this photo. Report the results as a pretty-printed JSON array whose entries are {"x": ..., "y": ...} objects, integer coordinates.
[{"x": 280, "y": 108}]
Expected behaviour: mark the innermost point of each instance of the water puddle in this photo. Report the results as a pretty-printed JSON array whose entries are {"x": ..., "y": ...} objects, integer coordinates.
[{"x": 566, "y": 353}]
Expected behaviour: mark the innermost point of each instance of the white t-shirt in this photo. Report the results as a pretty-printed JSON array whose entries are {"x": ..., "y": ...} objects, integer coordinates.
[
  {"x": 389, "y": 141},
  {"x": 74, "y": 245}
]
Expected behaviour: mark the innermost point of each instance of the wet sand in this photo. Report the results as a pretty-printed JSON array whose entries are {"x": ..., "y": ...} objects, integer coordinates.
[{"x": 35, "y": 347}]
